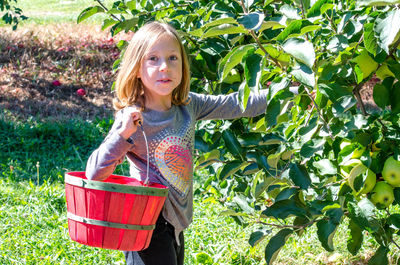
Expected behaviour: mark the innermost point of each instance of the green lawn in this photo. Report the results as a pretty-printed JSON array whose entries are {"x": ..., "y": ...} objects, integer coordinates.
[{"x": 58, "y": 11}]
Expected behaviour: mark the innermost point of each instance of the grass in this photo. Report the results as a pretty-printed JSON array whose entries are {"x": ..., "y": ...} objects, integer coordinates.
[{"x": 43, "y": 12}]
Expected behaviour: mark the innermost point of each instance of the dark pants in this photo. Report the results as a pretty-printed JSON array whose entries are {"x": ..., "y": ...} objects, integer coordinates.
[{"x": 163, "y": 248}]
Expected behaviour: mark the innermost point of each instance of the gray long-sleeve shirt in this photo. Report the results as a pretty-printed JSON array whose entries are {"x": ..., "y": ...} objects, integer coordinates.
[{"x": 170, "y": 136}]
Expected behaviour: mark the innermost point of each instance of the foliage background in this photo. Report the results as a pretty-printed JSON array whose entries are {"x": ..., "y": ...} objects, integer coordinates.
[{"x": 26, "y": 62}]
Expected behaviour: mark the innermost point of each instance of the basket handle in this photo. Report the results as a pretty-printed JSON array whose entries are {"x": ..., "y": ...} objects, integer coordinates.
[{"x": 147, "y": 151}]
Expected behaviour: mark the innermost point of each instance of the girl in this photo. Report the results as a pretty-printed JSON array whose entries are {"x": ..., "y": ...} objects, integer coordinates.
[{"x": 152, "y": 86}]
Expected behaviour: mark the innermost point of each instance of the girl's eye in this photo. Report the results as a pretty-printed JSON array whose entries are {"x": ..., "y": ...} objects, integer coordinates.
[
  {"x": 173, "y": 57},
  {"x": 153, "y": 58}
]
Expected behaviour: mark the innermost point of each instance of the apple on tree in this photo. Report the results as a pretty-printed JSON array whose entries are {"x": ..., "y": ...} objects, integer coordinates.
[
  {"x": 382, "y": 195},
  {"x": 391, "y": 171}
]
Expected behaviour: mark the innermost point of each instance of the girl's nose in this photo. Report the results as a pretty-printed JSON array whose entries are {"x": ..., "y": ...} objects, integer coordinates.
[{"x": 164, "y": 65}]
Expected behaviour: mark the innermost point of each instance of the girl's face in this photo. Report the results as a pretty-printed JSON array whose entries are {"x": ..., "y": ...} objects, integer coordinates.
[{"x": 161, "y": 69}]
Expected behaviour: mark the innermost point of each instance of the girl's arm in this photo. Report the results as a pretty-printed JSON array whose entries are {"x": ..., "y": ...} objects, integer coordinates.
[
  {"x": 209, "y": 107},
  {"x": 111, "y": 152}
]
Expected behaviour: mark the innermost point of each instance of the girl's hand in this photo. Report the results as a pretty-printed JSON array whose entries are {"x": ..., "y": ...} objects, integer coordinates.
[{"x": 130, "y": 120}]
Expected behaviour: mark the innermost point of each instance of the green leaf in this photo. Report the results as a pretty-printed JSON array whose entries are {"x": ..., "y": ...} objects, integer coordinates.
[
  {"x": 232, "y": 59},
  {"x": 126, "y": 25},
  {"x": 284, "y": 208},
  {"x": 295, "y": 27},
  {"x": 257, "y": 236},
  {"x": 204, "y": 258},
  {"x": 250, "y": 139},
  {"x": 311, "y": 147},
  {"x": 231, "y": 168},
  {"x": 316, "y": 9},
  {"x": 396, "y": 192},
  {"x": 88, "y": 12},
  {"x": 252, "y": 21},
  {"x": 380, "y": 256},
  {"x": 304, "y": 74},
  {"x": 223, "y": 29},
  {"x": 370, "y": 41},
  {"x": 387, "y": 27},
  {"x": 299, "y": 175},
  {"x": 301, "y": 50},
  {"x": 395, "y": 98},
  {"x": 108, "y": 23},
  {"x": 272, "y": 112},
  {"x": 252, "y": 71},
  {"x": 269, "y": 139},
  {"x": 277, "y": 85},
  {"x": 274, "y": 22},
  {"x": 241, "y": 201},
  {"x": 363, "y": 214},
  {"x": 326, "y": 230},
  {"x": 208, "y": 158},
  {"x": 220, "y": 21},
  {"x": 394, "y": 220},
  {"x": 337, "y": 44},
  {"x": 275, "y": 244},
  {"x": 286, "y": 194},
  {"x": 355, "y": 239},
  {"x": 381, "y": 95},
  {"x": 394, "y": 67},
  {"x": 325, "y": 167},
  {"x": 231, "y": 143},
  {"x": 366, "y": 63},
  {"x": 343, "y": 104},
  {"x": 244, "y": 93}
]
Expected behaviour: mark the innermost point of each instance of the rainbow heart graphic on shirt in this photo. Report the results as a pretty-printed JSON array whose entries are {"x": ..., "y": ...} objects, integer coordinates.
[{"x": 174, "y": 160}]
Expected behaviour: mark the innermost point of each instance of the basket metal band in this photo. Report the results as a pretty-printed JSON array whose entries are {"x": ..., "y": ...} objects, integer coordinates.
[
  {"x": 113, "y": 187},
  {"x": 108, "y": 224}
]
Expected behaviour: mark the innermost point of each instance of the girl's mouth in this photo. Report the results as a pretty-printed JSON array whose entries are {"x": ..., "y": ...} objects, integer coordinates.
[{"x": 166, "y": 80}]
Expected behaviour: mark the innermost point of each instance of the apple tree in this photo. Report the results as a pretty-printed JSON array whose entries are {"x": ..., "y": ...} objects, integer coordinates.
[
  {"x": 322, "y": 154},
  {"x": 12, "y": 14}
]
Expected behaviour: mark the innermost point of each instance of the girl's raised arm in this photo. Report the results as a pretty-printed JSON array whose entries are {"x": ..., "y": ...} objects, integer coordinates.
[{"x": 209, "y": 107}]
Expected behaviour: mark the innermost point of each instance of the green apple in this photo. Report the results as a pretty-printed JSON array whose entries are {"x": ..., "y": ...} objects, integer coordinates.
[
  {"x": 347, "y": 166},
  {"x": 382, "y": 195},
  {"x": 391, "y": 172},
  {"x": 369, "y": 182}
]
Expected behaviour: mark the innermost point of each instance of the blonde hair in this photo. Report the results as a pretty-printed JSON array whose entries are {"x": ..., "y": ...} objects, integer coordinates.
[{"x": 129, "y": 88}]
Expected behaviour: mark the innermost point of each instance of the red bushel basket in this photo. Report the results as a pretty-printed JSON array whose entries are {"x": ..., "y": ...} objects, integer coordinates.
[{"x": 117, "y": 213}]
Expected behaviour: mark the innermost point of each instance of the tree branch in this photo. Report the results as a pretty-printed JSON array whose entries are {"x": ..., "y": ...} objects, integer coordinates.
[
  {"x": 105, "y": 8},
  {"x": 394, "y": 242},
  {"x": 319, "y": 113},
  {"x": 356, "y": 92},
  {"x": 253, "y": 34},
  {"x": 291, "y": 226}
]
